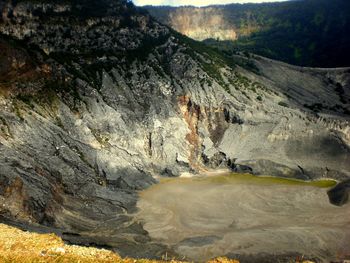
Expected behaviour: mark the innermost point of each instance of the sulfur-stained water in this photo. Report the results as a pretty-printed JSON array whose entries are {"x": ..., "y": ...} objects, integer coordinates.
[{"x": 206, "y": 217}]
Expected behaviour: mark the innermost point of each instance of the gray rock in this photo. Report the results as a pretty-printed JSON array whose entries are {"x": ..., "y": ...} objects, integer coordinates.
[
  {"x": 198, "y": 241},
  {"x": 339, "y": 195},
  {"x": 100, "y": 107}
]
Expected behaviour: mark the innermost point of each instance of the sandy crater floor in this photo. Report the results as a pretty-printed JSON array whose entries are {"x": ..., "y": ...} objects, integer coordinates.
[{"x": 207, "y": 217}]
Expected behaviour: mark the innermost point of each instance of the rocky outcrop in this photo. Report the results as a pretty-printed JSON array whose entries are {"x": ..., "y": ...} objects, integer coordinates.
[
  {"x": 97, "y": 104},
  {"x": 201, "y": 23},
  {"x": 190, "y": 21},
  {"x": 339, "y": 195}
]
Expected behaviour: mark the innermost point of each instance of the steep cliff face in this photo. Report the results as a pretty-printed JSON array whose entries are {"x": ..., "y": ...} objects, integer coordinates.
[
  {"x": 212, "y": 22},
  {"x": 201, "y": 24},
  {"x": 98, "y": 99}
]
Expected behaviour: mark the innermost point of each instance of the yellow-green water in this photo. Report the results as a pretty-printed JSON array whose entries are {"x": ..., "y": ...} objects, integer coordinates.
[
  {"x": 252, "y": 179},
  {"x": 239, "y": 178}
]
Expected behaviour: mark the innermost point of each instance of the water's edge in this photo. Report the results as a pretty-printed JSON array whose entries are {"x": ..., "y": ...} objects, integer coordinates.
[{"x": 245, "y": 216}]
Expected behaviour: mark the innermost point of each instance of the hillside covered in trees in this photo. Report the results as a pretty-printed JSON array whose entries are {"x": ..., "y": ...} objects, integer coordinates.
[{"x": 312, "y": 33}]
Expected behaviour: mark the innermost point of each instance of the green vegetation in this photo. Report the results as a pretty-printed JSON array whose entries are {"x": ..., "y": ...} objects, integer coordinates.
[
  {"x": 307, "y": 32},
  {"x": 341, "y": 93},
  {"x": 319, "y": 107},
  {"x": 316, "y": 107},
  {"x": 101, "y": 138},
  {"x": 27, "y": 99},
  {"x": 148, "y": 44},
  {"x": 201, "y": 48},
  {"x": 212, "y": 60},
  {"x": 17, "y": 110},
  {"x": 5, "y": 128},
  {"x": 85, "y": 66},
  {"x": 218, "y": 56},
  {"x": 283, "y": 104}
]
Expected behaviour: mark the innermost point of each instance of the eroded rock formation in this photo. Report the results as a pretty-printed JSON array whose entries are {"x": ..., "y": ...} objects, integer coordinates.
[{"x": 98, "y": 99}]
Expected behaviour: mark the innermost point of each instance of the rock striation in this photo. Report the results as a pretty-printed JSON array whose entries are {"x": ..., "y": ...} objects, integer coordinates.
[{"x": 98, "y": 100}]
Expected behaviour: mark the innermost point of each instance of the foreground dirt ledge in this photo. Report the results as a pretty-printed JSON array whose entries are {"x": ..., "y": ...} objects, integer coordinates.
[{"x": 21, "y": 246}]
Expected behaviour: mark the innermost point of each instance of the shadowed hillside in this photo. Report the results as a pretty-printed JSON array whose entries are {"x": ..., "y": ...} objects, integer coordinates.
[
  {"x": 99, "y": 100},
  {"x": 307, "y": 32}
]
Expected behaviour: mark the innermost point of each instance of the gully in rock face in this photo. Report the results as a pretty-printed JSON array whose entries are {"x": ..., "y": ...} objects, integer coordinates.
[{"x": 100, "y": 101}]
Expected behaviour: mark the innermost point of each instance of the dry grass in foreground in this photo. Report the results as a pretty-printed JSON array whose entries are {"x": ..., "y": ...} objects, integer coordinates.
[{"x": 17, "y": 246}]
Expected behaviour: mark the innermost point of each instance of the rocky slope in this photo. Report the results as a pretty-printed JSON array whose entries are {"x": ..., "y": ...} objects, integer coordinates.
[
  {"x": 190, "y": 21},
  {"x": 98, "y": 99}
]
